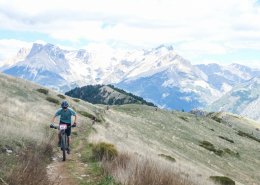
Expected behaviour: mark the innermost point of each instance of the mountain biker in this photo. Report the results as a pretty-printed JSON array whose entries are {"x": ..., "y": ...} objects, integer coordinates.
[{"x": 65, "y": 114}]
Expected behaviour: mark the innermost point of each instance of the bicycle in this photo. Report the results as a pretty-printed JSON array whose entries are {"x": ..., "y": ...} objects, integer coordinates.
[{"x": 64, "y": 145}]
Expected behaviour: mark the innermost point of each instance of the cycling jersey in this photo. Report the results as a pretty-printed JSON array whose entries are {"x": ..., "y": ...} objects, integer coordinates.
[{"x": 65, "y": 115}]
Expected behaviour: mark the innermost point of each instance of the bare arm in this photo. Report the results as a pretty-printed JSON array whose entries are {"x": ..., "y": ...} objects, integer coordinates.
[
  {"x": 75, "y": 119},
  {"x": 53, "y": 119}
]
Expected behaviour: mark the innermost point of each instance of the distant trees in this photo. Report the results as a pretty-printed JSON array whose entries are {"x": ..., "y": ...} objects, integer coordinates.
[
  {"x": 133, "y": 97},
  {"x": 94, "y": 94}
]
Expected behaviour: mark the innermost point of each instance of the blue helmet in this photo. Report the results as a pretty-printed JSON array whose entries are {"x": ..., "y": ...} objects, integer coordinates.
[{"x": 64, "y": 104}]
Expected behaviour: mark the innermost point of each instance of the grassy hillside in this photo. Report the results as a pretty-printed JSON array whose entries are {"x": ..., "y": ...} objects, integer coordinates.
[
  {"x": 175, "y": 147},
  {"x": 28, "y": 152},
  {"x": 27, "y": 144},
  {"x": 202, "y": 146}
]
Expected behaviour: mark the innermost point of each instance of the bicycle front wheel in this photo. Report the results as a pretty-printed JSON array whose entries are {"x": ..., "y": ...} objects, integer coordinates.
[{"x": 63, "y": 146}]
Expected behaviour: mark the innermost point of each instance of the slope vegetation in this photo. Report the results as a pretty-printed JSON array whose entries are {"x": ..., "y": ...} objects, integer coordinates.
[
  {"x": 27, "y": 144},
  {"x": 150, "y": 142},
  {"x": 219, "y": 144}
]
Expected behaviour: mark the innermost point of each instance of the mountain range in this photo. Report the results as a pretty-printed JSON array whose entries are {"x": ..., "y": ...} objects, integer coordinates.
[
  {"x": 158, "y": 75},
  {"x": 243, "y": 99}
]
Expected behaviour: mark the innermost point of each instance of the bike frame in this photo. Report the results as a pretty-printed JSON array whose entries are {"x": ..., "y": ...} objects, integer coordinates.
[
  {"x": 64, "y": 139},
  {"x": 64, "y": 143}
]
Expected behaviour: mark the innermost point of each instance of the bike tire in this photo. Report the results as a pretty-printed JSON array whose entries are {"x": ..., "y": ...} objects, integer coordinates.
[{"x": 63, "y": 147}]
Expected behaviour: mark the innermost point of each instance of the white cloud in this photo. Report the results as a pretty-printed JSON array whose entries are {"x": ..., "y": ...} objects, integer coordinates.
[
  {"x": 9, "y": 47},
  {"x": 198, "y": 27},
  {"x": 202, "y": 48},
  {"x": 250, "y": 63}
]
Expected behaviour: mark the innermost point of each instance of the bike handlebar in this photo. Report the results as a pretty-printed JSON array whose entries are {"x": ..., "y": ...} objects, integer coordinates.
[{"x": 56, "y": 127}]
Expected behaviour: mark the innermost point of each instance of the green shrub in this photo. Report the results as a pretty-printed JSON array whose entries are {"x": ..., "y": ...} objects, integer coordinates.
[
  {"x": 76, "y": 100},
  {"x": 169, "y": 158},
  {"x": 209, "y": 146},
  {"x": 220, "y": 152},
  {"x": 244, "y": 134},
  {"x": 230, "y": 152},
  {"x": 43, "y": 91},
  {"x": 104, "y": 150},
  {"x": 227, "y": 139},
  {"x": 88, "y": 115},
  {"x": 217, "y": 119},
  {"x": 61, "y": 96},
  {"x": 53, "y": 100},
  {"x": 183, "y": 118},
  {"x": 222, "y": 180}
]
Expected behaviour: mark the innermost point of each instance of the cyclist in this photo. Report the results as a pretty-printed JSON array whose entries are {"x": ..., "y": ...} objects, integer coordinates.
[{"x": 65, "y": 114}]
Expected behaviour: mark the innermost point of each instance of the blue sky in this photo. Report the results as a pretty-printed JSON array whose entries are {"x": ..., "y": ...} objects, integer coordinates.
[{"x": 202, "y": 31}]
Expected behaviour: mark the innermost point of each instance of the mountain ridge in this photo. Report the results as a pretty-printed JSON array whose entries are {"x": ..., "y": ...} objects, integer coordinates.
[
  {"x": 106, "y": 94},
  {"x": 243, "y": 99},
  {"x": 159, "y": 74}
]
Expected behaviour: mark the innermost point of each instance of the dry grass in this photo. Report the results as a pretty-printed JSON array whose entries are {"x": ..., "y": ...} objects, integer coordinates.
[
  {"x": 135, "y": 170},
  {"x": 24, "y": 131},
  {"x": 25, "y": 117},
  {"x": 31, "y": 169}
]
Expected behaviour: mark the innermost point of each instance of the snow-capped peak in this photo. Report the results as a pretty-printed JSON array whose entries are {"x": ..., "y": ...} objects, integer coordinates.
[
  {"x": 20, "y": 56},
  {"x": 161, "y": 67}
]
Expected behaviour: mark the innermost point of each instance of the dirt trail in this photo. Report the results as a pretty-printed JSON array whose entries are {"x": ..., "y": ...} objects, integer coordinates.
[{"x": 59, "y": 172}]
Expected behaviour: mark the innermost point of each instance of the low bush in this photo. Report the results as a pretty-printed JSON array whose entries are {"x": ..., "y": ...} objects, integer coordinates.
[
  {"x": 227, "y": 139},
  {"x": 183, "y": 118},
  {"x": 53, "y": 100},
  {"x": 76, "y": 100},
  {"x": 167, "y": 157},
  {"x": 209, "y": 146},
  {"x": 43, "y": 91},
  {"x": 61, "y": 96},
  {"x": 220, "y": 152},
  {"x": 88, "y": 115},
  {"x": 217, "y": 119},
  {"x": 104, "y": 151},
  {"x": 230, "y": 152},
  {"x": 244, "y": 134},
  {"x": 222, "y": 180}
]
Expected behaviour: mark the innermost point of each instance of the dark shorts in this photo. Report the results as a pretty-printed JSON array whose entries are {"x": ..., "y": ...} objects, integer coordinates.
[{"x": 68, "y": 130}]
